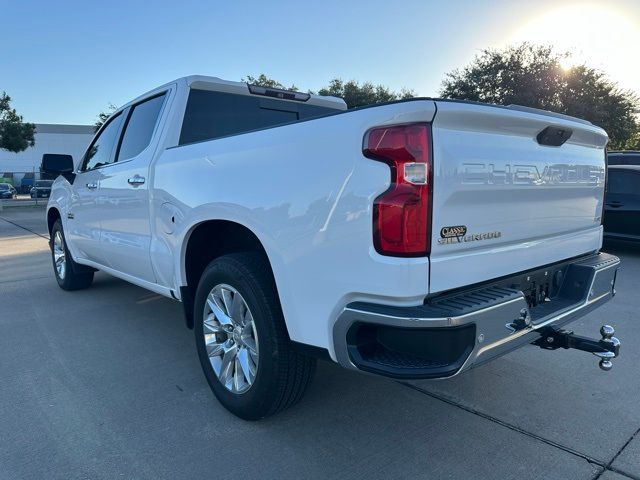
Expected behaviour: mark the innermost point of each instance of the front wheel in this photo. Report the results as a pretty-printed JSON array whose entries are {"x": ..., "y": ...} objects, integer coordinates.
[
  {"x": 69, "y": 274},
  {"x": 242, "y": 340}
]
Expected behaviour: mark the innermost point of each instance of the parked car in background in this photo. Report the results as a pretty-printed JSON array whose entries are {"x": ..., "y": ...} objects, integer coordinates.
[
  {"x": 26, "y": 184},
  {"x": 42, "y": 189},
  {"x": 7, "y": 191},
  {"x": 622, "y": 203},
  {"x": 623, "y": 157}
]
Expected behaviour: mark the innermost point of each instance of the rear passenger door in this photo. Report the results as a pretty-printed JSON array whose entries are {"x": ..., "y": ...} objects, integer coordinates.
[{"x": 124, "y": 190}]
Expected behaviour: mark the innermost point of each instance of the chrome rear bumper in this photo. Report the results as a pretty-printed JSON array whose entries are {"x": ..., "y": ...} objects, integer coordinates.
[{"x": 452, "y": 333}]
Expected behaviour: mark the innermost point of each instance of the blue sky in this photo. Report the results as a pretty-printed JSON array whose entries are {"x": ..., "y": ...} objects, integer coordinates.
[{"x": 64, "y": 61}]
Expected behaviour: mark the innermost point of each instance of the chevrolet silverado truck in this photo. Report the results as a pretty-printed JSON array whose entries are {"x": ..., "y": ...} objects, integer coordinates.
[{"x": 414, "y": 240}]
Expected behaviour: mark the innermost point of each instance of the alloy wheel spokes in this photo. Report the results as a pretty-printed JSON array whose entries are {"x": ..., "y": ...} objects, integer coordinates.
[
  {"x": 247, "y": 365},
  {"x": 59, "y": 255},
  {"x": 211, "y": 325},
  {"x": 228, "y": 365},
  {"x": 214, "y": 348},
  {"x": 230, "y": 338},
  {"x": 218, "y": 311}
]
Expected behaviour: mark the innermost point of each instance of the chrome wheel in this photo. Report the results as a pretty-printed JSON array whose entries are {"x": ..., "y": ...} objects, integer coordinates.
[
  {"x": 59, "y": 256},
  {"x": 230, "y": 338}
]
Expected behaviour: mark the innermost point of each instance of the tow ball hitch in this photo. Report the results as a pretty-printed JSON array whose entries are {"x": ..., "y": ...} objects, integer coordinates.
[{"x": 606, "y": 349}]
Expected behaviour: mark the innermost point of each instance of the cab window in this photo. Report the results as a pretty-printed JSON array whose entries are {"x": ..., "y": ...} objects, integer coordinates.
[
  {"x": 100, "y": 152},
  {"x": 211, "y": 114},
  {"x": 139, "y": 127}
]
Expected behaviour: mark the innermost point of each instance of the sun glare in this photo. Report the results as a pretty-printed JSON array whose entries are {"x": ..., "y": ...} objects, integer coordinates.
[
  {"x": 567, "y": 63},
  {"x": 595, "y": 34}
]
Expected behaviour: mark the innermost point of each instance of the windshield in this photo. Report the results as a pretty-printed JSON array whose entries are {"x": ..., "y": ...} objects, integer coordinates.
[
  {"x": 44, "y": 183},
  {"x": 4, "y": 186}
]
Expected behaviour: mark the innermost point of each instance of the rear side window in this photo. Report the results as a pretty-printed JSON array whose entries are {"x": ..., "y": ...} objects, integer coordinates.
[
  {"x": 624, "y": 182},
  {"x": 212, "y": 114},
  {"x": 140, "y": 126}
]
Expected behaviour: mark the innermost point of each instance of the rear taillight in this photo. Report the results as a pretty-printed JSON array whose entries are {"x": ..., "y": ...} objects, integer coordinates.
[{"x": 402, "y": 214}]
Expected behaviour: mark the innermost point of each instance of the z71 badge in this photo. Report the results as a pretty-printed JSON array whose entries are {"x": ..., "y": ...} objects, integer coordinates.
[{"x": 458, "y": 234}]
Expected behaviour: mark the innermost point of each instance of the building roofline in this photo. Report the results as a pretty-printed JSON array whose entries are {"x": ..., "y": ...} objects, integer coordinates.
[{"x": 69, "y": 129}]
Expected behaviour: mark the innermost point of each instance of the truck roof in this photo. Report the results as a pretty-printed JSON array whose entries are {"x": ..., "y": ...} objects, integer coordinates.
[{"x": 204, "y": 82}]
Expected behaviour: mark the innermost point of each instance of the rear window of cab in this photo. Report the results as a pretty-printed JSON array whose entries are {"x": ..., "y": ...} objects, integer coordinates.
[{"x": 210, "y": 114}]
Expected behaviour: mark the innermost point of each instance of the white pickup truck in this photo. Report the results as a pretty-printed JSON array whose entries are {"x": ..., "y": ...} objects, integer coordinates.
[{"x": 414, "y": 239}]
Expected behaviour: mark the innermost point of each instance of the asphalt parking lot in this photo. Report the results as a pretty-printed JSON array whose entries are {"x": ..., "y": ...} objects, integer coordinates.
[{"x": 105, "y": 383}]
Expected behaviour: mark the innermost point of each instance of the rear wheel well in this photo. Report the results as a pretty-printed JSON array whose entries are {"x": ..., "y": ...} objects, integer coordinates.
[
  {"x": 52, "y": 215},
  {"x": 208, "y": 241}
]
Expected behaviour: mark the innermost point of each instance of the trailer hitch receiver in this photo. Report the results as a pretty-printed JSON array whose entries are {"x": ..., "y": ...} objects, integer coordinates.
[{"x": 606, "y": 349}]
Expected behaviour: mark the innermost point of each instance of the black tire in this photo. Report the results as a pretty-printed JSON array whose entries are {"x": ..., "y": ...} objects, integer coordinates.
[
  {"x": 282, "y": 374},
  {"x": 76, "y": 276}
]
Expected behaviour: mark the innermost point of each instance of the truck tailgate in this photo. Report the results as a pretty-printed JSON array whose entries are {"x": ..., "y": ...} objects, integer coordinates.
[{"x": 505, "y": 203}]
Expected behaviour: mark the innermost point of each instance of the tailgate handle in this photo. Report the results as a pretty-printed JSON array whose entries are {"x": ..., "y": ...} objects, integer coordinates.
[{"x": 554, "y": 136}]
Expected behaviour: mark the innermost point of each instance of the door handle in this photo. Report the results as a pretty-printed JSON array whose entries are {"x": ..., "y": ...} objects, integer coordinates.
[
  {"x": 136, "y": 180},
  {"x": 92, "y": 185}
]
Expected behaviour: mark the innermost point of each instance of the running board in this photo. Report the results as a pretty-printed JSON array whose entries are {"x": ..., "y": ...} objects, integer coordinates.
[{"x": 606, "y": 349}]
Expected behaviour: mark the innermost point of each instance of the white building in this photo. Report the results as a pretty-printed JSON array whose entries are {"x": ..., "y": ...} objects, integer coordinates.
[{"x": 49, "y": 138}]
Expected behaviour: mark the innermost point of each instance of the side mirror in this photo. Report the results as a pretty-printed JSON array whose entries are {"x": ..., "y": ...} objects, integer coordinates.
[{"x": 56, "y": 164}]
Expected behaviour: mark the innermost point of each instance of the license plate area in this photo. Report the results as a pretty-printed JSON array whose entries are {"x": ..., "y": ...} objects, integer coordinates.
[
  {"x": 540, "y": 286},
  {"x": 544, "y": 290},
  {"x": 555, "y": 288}
]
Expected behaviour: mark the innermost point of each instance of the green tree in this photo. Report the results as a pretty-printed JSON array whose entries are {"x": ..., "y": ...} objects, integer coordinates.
[
  {"x": 533, "y": 76},
  {"x": 360, "y": 94},
  {"x": 354, "y": 94},
  {"x": 633, "y": 143},
  {"x": 104, "y": 116},
  {"x": 15, "y": 134},
  {"x": 265, "y": 81}
]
